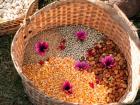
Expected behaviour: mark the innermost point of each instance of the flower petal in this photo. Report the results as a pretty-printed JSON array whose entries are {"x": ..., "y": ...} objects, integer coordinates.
[
  {"x": 41, "y": 62},
  {"x": 81, "y": 35},
  {"x": 82, "y": 65},
  {"x": 91, "y": 84},
  {"x": 108, "y": 61},
  {"x": 62, "y": 46},
  {"x": 41, "y": 48},
  {"x": 67, "y": 87}
]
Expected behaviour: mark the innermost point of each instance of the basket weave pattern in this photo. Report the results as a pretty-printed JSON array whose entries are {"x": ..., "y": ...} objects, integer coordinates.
[{"x": 105, "y": 18}]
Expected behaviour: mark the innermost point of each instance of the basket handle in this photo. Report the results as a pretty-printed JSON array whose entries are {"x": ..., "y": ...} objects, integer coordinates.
[{"x": 31, "y": 10}]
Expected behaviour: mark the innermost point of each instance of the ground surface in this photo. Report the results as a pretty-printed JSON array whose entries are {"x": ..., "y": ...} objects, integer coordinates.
[{"x": 11, "y": 90}]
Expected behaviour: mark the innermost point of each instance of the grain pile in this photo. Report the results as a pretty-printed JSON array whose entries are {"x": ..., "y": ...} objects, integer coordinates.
[
  {"x": 76, "y": 64},
  {"x": 50, "y": 78}
]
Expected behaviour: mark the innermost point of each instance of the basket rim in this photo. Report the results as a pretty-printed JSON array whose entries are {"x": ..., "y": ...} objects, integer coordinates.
[{"x": 121, "y": 15}]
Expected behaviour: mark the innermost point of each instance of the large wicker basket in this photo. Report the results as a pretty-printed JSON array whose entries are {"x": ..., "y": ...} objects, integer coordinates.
[
  {"x": 11, "y": 26},
  {"x": 105, "y": 18}
]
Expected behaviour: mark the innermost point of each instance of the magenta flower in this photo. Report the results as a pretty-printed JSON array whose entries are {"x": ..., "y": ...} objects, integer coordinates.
[
  {"x": 41, "y": 48},
  {"x": 81, "y": 35},
  {"x": 108, "y": 61},
  {"x": 82, "y": 65},
  {"x": 67, "y": 87}
]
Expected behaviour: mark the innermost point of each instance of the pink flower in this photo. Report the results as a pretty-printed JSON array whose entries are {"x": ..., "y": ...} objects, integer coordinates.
[
  {"x": 41, "y": 48},
  {"x": 108, "y": 61},
  {"x": 81, "y": 35},
  {"x": 82, "y": 65},
  {"x": 67, "y": 87}
]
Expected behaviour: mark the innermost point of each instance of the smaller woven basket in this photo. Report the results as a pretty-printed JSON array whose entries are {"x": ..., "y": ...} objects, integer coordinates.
[
  {"x": 11, "y": 26},
  {"x": 106, "y": 18}
]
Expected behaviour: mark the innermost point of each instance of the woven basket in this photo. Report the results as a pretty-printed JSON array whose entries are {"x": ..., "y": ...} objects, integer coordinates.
[
  {"x": 105, "y": 18},
  {"x": 13, "y": 25}
]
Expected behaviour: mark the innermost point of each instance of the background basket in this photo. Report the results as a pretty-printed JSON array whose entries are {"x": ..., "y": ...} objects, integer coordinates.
[
  {"x": 11, "y": 26},
  {"x": 105, "y": 18}
]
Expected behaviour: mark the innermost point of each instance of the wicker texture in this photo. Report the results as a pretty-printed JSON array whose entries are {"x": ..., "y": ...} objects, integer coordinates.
[
  {"x": 13, "y": 25},
  {"x": 106, "y": 18}
]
